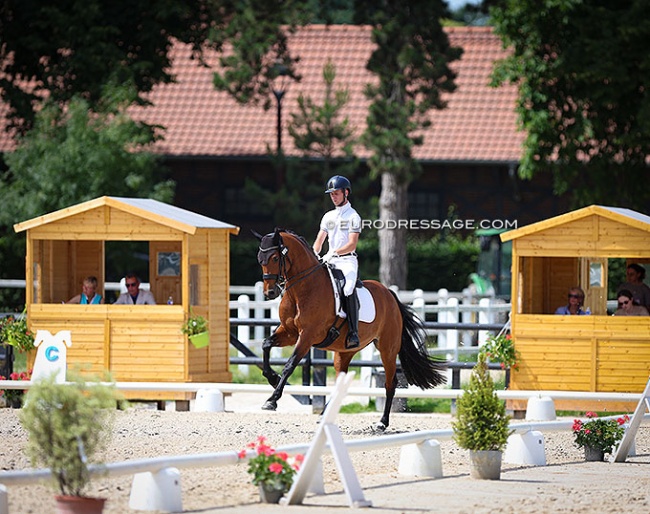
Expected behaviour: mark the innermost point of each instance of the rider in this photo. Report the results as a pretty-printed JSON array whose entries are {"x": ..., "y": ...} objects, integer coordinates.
[{"x": 342, "y": 226}]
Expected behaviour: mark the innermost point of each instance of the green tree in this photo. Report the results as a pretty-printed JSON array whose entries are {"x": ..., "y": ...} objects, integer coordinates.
[
  {"x": 326, "y": 139},
  {"x": 76, "y": 154},
  {"x": 411, "y": 63},
  {"x": 70, "y": 156},
  {"x": 60, "y": 49},
  {"x": 582, "y": 69}
]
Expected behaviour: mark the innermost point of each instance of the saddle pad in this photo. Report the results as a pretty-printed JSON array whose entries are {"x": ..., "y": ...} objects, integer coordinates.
[{"x": 367, "y": 310}]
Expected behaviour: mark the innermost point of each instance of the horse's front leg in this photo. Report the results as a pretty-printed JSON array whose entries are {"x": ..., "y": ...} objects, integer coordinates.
[
  {"x": 278, "y": 338},
  {"x": 267, "y": 371},
  {"x": 289, "y": 367}
]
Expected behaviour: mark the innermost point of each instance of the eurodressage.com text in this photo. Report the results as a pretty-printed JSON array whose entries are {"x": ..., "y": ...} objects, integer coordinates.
[{"x": 433, "y": 224}]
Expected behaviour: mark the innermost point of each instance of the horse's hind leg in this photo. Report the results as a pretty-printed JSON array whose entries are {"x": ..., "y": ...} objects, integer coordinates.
[{"x": 390, "y": 386}]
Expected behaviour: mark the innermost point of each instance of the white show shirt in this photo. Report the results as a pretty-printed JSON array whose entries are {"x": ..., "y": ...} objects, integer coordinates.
[{"x": 338, "y": 223}]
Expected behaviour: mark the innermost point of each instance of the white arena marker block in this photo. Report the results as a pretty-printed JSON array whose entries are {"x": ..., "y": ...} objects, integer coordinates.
[
  {"x": 209, "y": 400},
  {"x": 157, "y": 491},
  {"x": 4, "y": 500},
  {"x": 422, "y": 459},
  {"x": 527, "y": 449},
  {"x": 540, "y": 408}
]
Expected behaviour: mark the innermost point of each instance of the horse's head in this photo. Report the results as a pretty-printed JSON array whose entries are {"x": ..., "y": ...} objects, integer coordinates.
[{"x": 271, "y": 256}]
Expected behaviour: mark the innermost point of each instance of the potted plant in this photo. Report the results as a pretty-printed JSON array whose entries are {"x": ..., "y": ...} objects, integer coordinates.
[
  {"x": 272, "y": 471},
  {"x": 15, "y": 332},
  {"x": 196, "y": 329},
  {"x": 14, "y": 397},
  {"x": 598, "y": 436},
  {"x": 501, "y": 348},
  {"x": 68, "y": 425},
  {"x": 482, "y": 424}
]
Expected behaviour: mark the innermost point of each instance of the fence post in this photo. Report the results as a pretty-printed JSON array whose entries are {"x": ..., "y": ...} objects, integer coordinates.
[
  {"x": 452, "y": 317},
  {"x": 243, "y": 332},
  {"x": 483, "y": 317},
  {"x": 418, "y": 304},
  {"x": 467, "y": 316},
  {"x": 259, "y": 311},
  {"x": 443, "y": 295}
]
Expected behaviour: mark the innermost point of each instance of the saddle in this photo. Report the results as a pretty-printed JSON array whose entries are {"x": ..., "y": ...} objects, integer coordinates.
[{"x": 366, "y": 310}]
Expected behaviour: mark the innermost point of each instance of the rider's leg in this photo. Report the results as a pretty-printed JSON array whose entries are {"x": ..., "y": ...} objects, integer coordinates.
[{"x": 352, "y": 308}]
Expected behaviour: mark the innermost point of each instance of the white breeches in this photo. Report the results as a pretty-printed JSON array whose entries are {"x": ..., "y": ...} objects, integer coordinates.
[{"x": 350, "y": 268}]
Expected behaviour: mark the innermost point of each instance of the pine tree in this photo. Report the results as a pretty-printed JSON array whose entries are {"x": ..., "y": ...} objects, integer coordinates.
[{"x": 482, "y": 421}]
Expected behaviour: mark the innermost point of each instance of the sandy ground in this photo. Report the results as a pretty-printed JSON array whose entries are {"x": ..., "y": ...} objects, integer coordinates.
[{"x": 565, "y": 484}]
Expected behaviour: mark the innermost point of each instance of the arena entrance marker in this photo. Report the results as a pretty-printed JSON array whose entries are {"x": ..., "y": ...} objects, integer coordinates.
[
  {"x": 328, "y": 432},
  {"x": 621, "y": 452}
]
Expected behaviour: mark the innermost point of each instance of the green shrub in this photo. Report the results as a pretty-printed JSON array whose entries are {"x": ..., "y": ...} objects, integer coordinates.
[{"x": 482, "y": 423}]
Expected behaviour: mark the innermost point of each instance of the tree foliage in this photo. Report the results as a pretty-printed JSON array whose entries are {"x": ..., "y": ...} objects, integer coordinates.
[
  {"x": 75, "y": 155},
  {"x": 60, "y": 49},
  {"x": 582, "y": 69},
  {"x": 325, "y": 138},
  {"x": 411, "y": 62}
]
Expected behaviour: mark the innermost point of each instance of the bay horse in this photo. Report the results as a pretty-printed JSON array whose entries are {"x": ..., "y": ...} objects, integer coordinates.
[{"x": 307, "y": 315}]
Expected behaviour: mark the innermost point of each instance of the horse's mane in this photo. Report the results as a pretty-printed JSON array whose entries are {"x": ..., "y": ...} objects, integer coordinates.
[{"x": 301, "y": 239}]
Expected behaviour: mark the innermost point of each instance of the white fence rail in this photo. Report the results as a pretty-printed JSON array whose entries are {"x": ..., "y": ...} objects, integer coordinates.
[{"x": 442, "y": 306}]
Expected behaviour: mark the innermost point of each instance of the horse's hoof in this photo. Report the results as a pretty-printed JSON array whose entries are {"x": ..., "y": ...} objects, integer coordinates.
[
  {"x": 379, "y": 427},
  {"x": 269, "y": 405}
]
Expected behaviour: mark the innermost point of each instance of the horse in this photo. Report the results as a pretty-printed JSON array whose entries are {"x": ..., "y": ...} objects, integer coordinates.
[{"x": 308, "y": 318}]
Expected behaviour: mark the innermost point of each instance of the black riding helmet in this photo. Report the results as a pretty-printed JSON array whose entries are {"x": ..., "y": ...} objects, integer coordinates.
[{"x": 338, "y": 182}]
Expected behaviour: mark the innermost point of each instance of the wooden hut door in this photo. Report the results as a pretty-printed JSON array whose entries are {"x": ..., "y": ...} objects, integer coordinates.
[
  {"x": 593, "y": 277},
  {"x": 165, "y": 271}
]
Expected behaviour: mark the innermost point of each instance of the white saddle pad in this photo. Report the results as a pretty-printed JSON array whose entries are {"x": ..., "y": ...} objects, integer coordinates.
[{"x": 367, "y": 310}]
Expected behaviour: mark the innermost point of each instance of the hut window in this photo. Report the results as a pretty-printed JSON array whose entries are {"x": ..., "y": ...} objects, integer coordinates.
[
  {"x": 169, "y": 264},
  {"x": 194, "y": 284},
  {"x": 595, "y": 274}
]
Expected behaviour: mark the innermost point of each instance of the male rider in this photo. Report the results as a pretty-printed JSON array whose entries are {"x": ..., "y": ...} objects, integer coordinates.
[{"x": 342, "y": 226}]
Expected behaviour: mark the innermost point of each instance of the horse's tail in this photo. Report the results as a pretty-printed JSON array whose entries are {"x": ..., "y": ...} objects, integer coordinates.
[{"x": 419, "y": 368}]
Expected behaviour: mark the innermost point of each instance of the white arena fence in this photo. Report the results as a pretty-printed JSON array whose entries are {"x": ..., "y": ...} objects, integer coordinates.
[{"x": 405, "y": 440}]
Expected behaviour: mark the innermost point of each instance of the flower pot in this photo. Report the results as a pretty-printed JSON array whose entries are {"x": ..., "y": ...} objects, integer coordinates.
[
  {"x": 200, "y": 340},
  {"x": 78, "y": 505},
  {"x": 269, "y": 494},
  {"x": 594, "y": 454},
  {"x": 485, "y": 464}
]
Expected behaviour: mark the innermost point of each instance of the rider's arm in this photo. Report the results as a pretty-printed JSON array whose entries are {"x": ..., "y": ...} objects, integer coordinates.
[{"x": 320, "y": 239}]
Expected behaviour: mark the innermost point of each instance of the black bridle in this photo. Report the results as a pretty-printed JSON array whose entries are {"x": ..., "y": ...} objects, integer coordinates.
[{"x": 281, "y": 278}]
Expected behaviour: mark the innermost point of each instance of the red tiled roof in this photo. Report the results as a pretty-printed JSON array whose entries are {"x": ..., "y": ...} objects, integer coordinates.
[{"x": 479, "y": 123}]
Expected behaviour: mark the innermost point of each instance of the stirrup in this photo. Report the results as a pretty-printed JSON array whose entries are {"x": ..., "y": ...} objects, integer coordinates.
[{"x": 351, "y": 344}]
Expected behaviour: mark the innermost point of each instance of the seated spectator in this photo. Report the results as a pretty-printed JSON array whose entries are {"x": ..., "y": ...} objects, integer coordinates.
[
  {"x": 134, "y": 295},
  {"x": 626, "y": 306},
  {"x": 88, "y": 294},
  {"x": 635, "y": 275},
  {"x": 576, "y": 299}
]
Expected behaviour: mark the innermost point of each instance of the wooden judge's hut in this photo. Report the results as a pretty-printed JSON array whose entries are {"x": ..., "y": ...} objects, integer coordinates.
[
  {"x": 598, "y": 352},
  {"x": 188, "y": 262}
]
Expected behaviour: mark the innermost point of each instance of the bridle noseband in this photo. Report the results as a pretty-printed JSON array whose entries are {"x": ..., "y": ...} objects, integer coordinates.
[{"x": 280, "y": 277}]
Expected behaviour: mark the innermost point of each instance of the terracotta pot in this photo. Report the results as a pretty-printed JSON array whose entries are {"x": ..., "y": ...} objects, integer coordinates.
[
  {"x": 270, "y": 495},
  {"x": 79, "y": 505},
  {"x": 485, "y": 464},
  {"x": 594, "y": 454}
]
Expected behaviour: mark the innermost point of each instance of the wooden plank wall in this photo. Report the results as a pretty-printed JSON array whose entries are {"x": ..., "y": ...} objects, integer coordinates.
[{"x": 581, "y": 353}]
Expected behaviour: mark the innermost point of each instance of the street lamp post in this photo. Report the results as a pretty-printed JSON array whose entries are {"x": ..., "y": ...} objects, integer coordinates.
[
  {"x": 279, "y": 95},
  {"x": 279, "y": 86}
]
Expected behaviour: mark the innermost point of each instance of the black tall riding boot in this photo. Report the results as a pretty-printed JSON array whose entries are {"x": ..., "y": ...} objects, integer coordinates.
[{"x": 352, "y": 309}]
